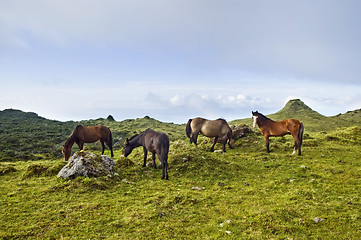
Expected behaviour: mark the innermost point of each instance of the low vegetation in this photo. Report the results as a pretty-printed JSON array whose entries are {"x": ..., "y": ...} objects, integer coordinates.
[{"x": 244, "y": 193}]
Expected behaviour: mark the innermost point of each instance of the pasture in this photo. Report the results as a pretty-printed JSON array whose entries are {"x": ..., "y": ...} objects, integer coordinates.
[{"x": 244, "y": 193}]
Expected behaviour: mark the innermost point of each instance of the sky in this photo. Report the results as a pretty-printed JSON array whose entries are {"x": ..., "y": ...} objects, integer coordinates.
[{"x": 178, "y": 59}]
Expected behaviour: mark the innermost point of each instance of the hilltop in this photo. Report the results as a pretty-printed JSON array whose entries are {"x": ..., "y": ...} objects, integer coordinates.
[{"x": 313, "y": 121}]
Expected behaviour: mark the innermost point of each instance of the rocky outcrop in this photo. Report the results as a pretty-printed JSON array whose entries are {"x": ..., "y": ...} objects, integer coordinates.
[
  {"x": 87, "y": 165},
  {"x": 240, "y": 131}
]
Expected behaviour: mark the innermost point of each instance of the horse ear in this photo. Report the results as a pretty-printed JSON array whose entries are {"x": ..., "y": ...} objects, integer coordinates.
[{"x": 126, "y": 141}]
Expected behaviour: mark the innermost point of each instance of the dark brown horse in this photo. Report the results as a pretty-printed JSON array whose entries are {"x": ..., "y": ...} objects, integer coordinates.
[
  {"x": 219, "y": 129},
  {"x": 270, "y": 128},
  {"x": 152, "y": 141},
  {"x": 88, "y": 134}
]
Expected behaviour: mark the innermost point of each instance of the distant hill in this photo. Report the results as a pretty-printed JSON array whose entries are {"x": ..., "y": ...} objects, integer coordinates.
[
  {"x": 312, "y": 120},
  {"x": 27, "y": 136}
]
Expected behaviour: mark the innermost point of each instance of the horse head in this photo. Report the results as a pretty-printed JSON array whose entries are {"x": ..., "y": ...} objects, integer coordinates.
[
  {"x": 231, "y": 143},
  {"x": 127, "y": 149},
  {"x": 255, "y": 116},
  {"x": 66, "y": 152}
]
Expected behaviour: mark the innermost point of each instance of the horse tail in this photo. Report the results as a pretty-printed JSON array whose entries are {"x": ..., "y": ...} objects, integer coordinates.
[
  {"x": 110, "y": 144},
  {"x": 165, "y": 148},
  {"x": 110, "y": 139},
  {"x": 300, "y": 134},
  {"x": 164, "y": 155},
  {"x": 188, "y": 128}
]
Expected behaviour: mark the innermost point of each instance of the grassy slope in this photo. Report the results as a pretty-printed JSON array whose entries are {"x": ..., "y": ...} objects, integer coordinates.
[
  {"x": 312, "y": 120},
  {"x": 242, "y": 194},
  {"x": 26, "y": 136}
]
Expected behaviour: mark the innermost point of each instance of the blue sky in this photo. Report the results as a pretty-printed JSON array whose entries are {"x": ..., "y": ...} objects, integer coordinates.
[{"x": 175, "y": 60}]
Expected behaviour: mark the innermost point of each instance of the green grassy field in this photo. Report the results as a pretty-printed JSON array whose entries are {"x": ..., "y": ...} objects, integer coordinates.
[{"x": 244, "y": 193}]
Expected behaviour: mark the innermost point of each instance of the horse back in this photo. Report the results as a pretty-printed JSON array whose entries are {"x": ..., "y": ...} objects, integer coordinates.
[
  {"x": 90, "y": 134},
  {"x": 196, "y": 124},
  {"x": 156, "y": 142},
  {"x": 280, "y": 128},
  {"x": 215, "y": 128}
]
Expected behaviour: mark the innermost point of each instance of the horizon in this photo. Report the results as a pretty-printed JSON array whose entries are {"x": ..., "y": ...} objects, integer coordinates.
[
  {"x": 175, "y": 60},
  {"x": 178, "y": 123}
]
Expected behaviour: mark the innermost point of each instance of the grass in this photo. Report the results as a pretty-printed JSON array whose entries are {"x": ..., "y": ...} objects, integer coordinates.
[{"x": 244, "y": 193}]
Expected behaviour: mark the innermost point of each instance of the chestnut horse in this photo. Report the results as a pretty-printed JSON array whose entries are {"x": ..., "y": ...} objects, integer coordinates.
[
  {"x": 270, "y": 128},
  {"x": 88, "y": 134},
  {"x": 152, "y": 141},
  {"x": 219, "y": 129}
]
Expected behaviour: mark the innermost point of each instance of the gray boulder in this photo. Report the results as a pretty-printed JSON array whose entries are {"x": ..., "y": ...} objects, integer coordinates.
[
  {"x": 87, "y": 165},
  {"x": 241, "y": 131}
]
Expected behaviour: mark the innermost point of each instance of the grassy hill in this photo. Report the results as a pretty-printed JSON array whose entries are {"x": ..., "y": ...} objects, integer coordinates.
[
  {"x": 244, "y": 193},
  {"x": 27, "y": 136},
  {"x": 312, "y": 120}
]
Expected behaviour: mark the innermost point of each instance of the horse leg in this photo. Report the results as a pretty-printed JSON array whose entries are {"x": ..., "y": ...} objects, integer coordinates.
[
  {"x": 194, "y": 138},
  {"x": 103, "y": 146},
  {"x": 166, "y": 169},
  {"x": 163, "y": 159},
  {"x": 296, "y": 145},
  {"x": 267, "y": 143},
  {"x": 110, "y": 147},
  {"x": 111, "y": 150},
  {"x": 224, "y": 145},
  {"x": 294, "y": 148},
  {"x": 80, "y": 145},
  {"x": 215, "y": 141},
  {"x": 145, "y": 156},
  {"x": 155, "y": 166}
]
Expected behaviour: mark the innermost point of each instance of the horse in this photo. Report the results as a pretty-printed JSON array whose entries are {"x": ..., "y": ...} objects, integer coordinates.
[
  {"x": 88, "y": 134},
  {"x": 219, "y": 129},
  {"x": 152, "y": 141},
  {"x": 270, "y": 128}
]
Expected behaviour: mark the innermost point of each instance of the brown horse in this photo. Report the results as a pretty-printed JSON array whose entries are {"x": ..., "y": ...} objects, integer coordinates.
[
  {"x": 219, "y": 129},
  {"x": 88, "y": 134},
  {"x": 270, "y": 128},
  {"x": 152, "y": 141}
]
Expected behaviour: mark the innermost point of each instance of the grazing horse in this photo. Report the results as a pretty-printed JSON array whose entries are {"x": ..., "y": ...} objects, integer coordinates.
[
  {"x": 219, "y": 129},
  {"x": 270, "y": 128},
  {"x": 152, "y": 141},
  {"x": 88, "y": 134}
]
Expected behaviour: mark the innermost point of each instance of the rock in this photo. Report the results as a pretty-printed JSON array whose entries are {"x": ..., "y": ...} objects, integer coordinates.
[
  {"x": 87, "y": 165},
  {"x": 241, "y": 131},
  {"x": 317, "y": 219}
]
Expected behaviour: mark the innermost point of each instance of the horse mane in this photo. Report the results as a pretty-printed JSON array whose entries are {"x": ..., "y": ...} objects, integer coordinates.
[
  {"x": 71, "y": 139},
  {"x": 263, "y": 116},
  {"x": 132, "y": 137}
]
